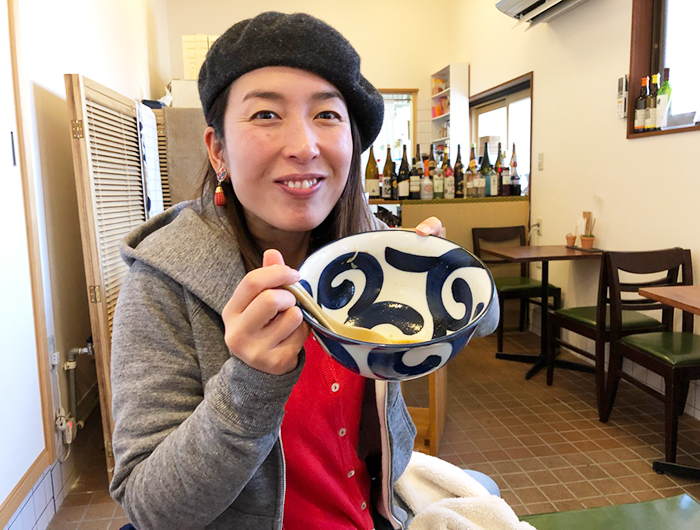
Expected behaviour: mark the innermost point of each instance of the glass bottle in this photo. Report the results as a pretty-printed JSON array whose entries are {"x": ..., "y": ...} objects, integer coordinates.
[
  {"x": 372, "y": 176},
  {"x": 473, "y": 175},
  {"x": 640, "y": 106},
  {"x": 386, "y": 175},
  {"x": 514, "y": 176},
  {"x": 426, "y": 185},
  {"x": 663, "y": 101},
  {"x": 488, "y": 174},
  {"x": 403, "y": 177},
  {"x": 498, "y": 168},
  {"x": 650, "y": 107},
  {"x": 459, "y": 175},
  {"x": 449, "y": 174}
]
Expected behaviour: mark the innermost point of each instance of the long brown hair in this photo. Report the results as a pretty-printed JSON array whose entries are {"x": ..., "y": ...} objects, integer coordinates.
[{"x": 350, "y": 214}]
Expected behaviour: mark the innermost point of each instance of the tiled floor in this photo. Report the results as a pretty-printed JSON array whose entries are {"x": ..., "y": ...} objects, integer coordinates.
[
  {"x": 88, "y": 505},
  {"x": 544, "y": 446}
]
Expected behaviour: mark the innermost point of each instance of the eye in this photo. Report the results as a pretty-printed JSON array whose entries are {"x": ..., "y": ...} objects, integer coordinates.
[
  {"x": 328, "y": 115},
  {"x": 264, "y": 115}
]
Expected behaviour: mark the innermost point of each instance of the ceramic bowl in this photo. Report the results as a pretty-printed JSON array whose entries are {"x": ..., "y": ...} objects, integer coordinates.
[{"x": 426, "y": 293}]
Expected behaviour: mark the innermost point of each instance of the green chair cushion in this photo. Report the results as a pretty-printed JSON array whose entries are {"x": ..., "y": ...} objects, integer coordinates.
[
  {"x": 677, "y": 513},
  {"x": 676, "y": 349},
  {"x": 520, "y": 283},
  {"x": 587, "y": 316}
]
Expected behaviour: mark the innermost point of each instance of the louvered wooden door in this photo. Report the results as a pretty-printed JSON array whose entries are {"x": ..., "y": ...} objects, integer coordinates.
[{"x": 111, "y": 203}]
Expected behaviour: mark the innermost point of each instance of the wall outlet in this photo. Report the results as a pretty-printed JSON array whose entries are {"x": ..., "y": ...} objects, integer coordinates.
[
  {"x": 55, "y": 359},
  {"x": 539, "y": 226},
  {"x": 540, "y": 161}
]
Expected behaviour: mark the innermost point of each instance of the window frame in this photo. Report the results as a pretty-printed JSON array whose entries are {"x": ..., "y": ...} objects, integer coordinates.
[
  {"x": 645, "y": 57},
  {"x": 501, "y": 93}
]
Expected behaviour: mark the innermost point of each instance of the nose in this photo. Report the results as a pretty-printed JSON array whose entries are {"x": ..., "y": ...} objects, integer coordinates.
[{"x": 301, "y": 140}]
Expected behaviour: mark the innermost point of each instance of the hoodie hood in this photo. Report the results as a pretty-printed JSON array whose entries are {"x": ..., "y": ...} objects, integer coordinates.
[{"x": 190, "y": 244}]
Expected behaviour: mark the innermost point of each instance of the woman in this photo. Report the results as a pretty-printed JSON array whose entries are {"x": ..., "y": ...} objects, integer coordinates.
[{"x": 213, "y": 368}]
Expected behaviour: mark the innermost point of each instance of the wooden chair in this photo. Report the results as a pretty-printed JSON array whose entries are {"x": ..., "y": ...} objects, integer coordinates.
[
  {"x": 675, "y": 356},
  {"x": 587, "y": 321},
  {"x": 522, "y": 287},
  {"x": 430, "y": 420}
]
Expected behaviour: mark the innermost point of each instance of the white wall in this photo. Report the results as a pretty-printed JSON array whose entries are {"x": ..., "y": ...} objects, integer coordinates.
[
  {"x": 395, "y": 38},
  {"x": 643, "y": 192}
]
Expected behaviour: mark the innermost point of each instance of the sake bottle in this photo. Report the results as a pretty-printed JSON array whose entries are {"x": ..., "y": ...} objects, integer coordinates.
[
  {"x": 403, "y": 177},
  {"x": 449, "y": 174},
  {"x": 426, "y": 184},
  {"x": 473, "y": 177},
  {"x": 372, "y": 176},
  {"x": 488, "y": 174},
  {"x": 459, "y": 175},
  {"x": 386, "y": 175},
  {"x": 415, "y": 177}
]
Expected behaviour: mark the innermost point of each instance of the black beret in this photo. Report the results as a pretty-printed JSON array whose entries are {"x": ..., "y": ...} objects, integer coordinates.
[{"x": 300, "y": 41}]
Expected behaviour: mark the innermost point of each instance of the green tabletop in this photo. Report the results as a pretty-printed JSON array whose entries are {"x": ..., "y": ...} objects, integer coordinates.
[{"x": 675, "y": 513}]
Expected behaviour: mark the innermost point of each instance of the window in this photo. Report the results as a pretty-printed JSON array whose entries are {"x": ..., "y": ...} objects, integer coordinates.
[
  {"x": 398, "y": 129},
  {"x": 504, "y": 114},
  {"x": 663, "y": 36},
  {"x": 680, "y": 54}
]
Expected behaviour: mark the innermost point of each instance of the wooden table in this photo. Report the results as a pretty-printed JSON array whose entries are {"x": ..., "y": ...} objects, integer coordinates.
[
  {"x": 545, "y": 254},
  {"x": 686, "y": 298}
]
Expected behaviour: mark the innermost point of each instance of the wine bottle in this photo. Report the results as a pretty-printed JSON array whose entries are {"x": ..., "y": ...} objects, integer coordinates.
[
  {"x": 459, "y": 175},
  {"x": 514, "y": 176},
  {"x": 403, "y": 177},
  {"x": 488, "y": 174},
  {"x": 426, "y": 184},
  {"x": 498, "y": 168},
  {"x": 640, "y": 106},
  {"x": 439, "y": 184},
  {"x": 473, "y": 175},
  {"x": 414, "y": 180},
  {"x": 663, "y": 100},
  {"x": 650, "y": 107},
  {"x": 394, "y": 182},
  {"x": 386, "y": 175},
  {"x": 431, "y": 162},
  {"x": 505, "y": 177},
  {"x": 449, "y": 174},
  {"x": 372, "y": 176}
]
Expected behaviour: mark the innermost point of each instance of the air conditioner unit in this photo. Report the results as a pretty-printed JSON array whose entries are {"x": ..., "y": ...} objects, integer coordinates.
[{"x": 536, "y": 11}]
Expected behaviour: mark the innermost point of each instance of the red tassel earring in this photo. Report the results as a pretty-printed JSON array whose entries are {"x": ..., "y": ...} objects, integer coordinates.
[{"x": 219, "y": 197}]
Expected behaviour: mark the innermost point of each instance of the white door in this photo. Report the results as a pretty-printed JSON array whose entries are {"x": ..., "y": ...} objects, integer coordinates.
[{"x": 20, "y": 413}]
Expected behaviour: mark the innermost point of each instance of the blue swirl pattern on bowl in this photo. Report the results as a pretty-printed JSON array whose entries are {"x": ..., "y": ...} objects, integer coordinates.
[{"x": 425, "y": 291}]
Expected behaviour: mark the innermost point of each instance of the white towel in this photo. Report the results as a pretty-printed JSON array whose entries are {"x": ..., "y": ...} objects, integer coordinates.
[{"x": 444, "y": 497}]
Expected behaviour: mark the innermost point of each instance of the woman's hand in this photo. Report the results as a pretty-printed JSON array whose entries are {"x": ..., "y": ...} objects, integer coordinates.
[
  {"x": 263, "y": 327},
  {"x": 430, "y": 227}
]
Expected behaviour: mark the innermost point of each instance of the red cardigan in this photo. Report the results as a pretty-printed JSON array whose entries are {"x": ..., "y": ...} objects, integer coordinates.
[{"x": 327, "y": 485}]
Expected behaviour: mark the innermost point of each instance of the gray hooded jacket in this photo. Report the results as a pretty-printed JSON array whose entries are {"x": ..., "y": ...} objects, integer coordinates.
[{"x": 196, "y": 430}]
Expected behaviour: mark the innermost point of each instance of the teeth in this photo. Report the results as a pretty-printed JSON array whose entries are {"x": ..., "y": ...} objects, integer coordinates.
[{"x": 305, "y": 184}]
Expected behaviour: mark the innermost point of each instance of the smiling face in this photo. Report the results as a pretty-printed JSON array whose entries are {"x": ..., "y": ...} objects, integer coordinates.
[{"x": 287, "y": 148}]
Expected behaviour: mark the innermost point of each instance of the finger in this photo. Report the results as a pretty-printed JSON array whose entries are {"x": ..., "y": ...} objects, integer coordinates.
[
  {"x": 265, "y": 308},
  {"x": 283, "y": 326},
  {"x": 431, "y": 226},
  {"x": 257, "y": 281},
  {"x": 272, "y": 257}
]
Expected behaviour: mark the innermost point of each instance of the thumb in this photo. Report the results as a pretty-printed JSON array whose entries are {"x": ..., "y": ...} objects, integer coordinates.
[{"x": 272, "y": 257}]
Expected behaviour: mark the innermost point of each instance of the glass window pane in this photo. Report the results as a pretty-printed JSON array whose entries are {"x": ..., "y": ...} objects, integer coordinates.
[
  {"x": 492, "y": 123},
  {"x": 396, "y": 131},
  {"x": 519, "y": 128},
  {"x": 681, "y": 54}
]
